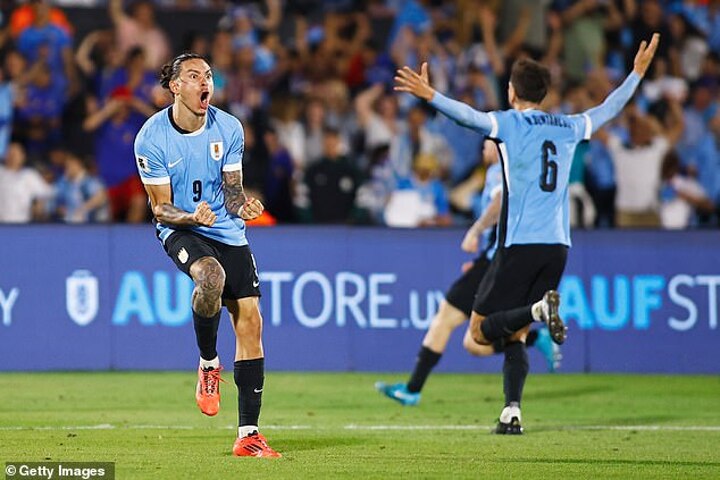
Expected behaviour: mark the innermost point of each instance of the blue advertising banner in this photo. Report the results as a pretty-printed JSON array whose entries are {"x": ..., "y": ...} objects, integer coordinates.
[{"x": 338, "y": 298}]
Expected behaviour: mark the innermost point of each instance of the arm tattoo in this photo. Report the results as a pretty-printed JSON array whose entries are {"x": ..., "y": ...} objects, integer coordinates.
[
  {"x": 169, "y": 214},
  {"x": 233, "y": 189}
]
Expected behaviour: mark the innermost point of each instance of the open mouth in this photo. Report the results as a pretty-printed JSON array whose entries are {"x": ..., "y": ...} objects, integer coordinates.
[{"x": 205, "y": 99}]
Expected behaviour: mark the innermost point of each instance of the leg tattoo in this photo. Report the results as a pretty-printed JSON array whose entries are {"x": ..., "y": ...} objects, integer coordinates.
[{"x": 209, "y": 278}]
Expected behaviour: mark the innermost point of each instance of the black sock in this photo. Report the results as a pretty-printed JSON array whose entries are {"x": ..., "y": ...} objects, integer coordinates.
[
  {"x": 249, "y": 378},
  {"x": 531, "y": 338},
  {"x": 426, "y": 360},
  {"x": 515, "y": 370},
  {"x": 498, "y": 345},
  {"x": 504, "y": 324},
  {"x": 206, "y": 334}
]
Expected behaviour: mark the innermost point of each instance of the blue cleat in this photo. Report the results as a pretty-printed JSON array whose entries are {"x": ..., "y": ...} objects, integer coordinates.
[
  {"x": 398, "y": 392},
  {"x": 549, "y": 349}
]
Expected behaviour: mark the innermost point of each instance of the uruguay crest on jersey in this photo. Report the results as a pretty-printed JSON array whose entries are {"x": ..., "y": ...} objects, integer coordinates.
[{"x": 216, "y": 150}]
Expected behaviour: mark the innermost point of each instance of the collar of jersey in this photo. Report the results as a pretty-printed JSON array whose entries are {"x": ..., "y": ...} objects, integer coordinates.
[{"x": 185, "y": 132}]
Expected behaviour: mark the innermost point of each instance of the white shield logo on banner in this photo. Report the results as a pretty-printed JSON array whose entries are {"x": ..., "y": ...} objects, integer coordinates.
[
  {"x": 82, "y": 297},
  {"x": 216, "y": 150}
]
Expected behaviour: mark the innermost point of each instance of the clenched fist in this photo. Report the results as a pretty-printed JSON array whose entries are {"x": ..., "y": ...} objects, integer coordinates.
[
  {"x": 251, "y": 209},
  {"x": 204, "y": 215}
]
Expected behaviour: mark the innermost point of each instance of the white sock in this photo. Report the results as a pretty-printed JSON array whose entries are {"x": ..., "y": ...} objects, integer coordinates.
[
  {"x": 214, "y": 363},
  {"x": 246, "y": 430},
  {"x": 537, "y": 311}
]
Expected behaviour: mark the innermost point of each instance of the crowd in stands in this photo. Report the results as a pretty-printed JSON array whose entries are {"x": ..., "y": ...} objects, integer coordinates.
[{"x": 326, "y": 138}]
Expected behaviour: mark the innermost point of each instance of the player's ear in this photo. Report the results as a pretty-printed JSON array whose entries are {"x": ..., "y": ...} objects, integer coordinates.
[{"x": 174, "y": 87}]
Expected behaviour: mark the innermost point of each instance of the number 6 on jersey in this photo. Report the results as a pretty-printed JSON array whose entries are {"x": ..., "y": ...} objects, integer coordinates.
[{"x": 549, "y": 167}]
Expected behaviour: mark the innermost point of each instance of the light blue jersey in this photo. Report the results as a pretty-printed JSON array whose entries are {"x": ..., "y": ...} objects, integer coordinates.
[
  {"x": 536, "y": 151},
  {"x": 493, "y": 186},
  {"x": 193, "y": 165}
]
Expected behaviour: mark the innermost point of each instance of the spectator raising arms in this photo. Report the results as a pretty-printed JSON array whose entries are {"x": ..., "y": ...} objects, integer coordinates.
[{"x": 140, "y": 30}]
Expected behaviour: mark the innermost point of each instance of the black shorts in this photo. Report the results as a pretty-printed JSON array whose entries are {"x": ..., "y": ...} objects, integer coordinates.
[
  {"x": 462, "y": 293},
  {"x": 241, "y": 277},
  {"x": 520, "y": 275}
]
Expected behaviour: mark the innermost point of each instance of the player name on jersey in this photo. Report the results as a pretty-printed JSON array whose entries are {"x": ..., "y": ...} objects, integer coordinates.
[{"x": 547, "y": 119}]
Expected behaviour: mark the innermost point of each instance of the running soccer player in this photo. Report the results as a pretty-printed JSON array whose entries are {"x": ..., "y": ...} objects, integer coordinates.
[
  {"x": 189, "y": 157},
  {"x": 457, "y": 306},
  {"x": 536, "y": 150}
]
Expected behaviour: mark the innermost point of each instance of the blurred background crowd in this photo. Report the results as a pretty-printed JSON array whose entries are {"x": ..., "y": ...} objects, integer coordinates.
[{"x": 326, "y": 139}]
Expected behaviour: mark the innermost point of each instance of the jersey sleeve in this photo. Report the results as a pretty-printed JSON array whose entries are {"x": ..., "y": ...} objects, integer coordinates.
[
  {"x": 581, "y": 125},
  {"x": 504, "y": 123},
  {"x": 613, "y": 104},
  {"x": 462, "y": 113},
  {"x": 233, "y": 159},
  {"x": 150, "y": 160}
]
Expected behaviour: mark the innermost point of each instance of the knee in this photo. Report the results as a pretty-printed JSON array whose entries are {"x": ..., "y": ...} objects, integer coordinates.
[
  {"x": 468, "y": 342},
  {"x": 208, "y": 275},
  {"x": 520, "y": 335},
  {"x": 476, "y": 330},
  {"x": 475, "y": 349}
]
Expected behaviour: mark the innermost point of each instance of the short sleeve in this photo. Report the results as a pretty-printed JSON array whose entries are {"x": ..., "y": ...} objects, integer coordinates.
[
  {"x": 503, "y": 123},
  {"x": 150, "y": 161},
  {"x": 581, "y": 125},
  {"x": 233, "y": 159}
]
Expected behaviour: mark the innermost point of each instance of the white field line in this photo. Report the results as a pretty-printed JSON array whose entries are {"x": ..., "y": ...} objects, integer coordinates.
[{"x": 107, "y": 426}]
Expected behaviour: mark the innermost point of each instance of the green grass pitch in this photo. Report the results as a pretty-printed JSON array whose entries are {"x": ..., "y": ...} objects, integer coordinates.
[{"x": 337, "y": 426}]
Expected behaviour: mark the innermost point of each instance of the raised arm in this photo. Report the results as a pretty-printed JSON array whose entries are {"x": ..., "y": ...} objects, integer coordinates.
[
  {"x": 407, "y": 80},
  {"x": 364, "y": 102},
  {"x": 115, "y": 10},
  {"x": 97, "y": 119},
  {"x": 616, "y": 101}
]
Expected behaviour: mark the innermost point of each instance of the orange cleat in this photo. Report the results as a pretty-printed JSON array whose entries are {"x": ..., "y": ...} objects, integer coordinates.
[
  {"x": 207, "y": 393},
  {"x": 254, "y": 445}
]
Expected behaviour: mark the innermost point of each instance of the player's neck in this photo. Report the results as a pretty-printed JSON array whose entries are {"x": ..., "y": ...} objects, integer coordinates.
[
  {"x": 185, "y": 119},
  {"x": 525, "y": 105}
]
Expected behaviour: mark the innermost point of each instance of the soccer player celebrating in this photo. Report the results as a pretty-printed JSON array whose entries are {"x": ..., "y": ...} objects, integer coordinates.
[
  {"x": 457, "y": 306},
  {"x": 189, "y": 157},
  {"x": 534, "y": 230}
]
